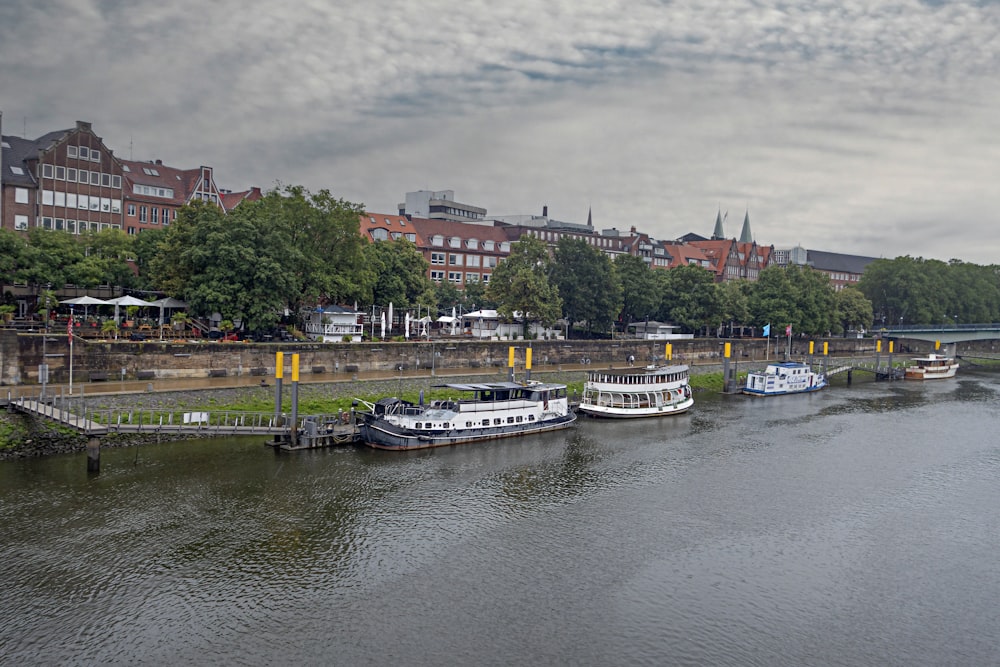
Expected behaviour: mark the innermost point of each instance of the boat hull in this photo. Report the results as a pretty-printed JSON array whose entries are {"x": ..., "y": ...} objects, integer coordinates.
[
  {"x": 381, "y": 434},
  {"x": 806, "y": 390},
  {"x": 931, "y": 374},
  {"x": 609, "y": 412}
]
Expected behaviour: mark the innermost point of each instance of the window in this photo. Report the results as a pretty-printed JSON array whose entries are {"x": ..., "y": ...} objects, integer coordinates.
[
  {"x": 59, "y": 224},
  {"x": 412, "y": 238},
  {"x": 16, "y": 170},
  {"x": 116, "y": 182},
  {"x": 116, "y": 205},
  {"x": 455, "y": 277},
  {"x": 71, "y": 151},
  {"x": 131, "y": 210},
  {"x": 455, "y": 260},
  {"x": 471, "y": 278},
  {"x": 486, "y": 277},
  {"x": 142, "y": 214},
  {"x": 95, "y": 155},
  {"x": 20, "y": 195},
  {"x": 47, "y": 171},
  {"x": 95, "y": 178},
  {"x": 21, "y": 222},
  {"x": 71, "y": 226},
  {"x": 437, "y": 258},
  {"x": 47, "y": 198},
  {"x": 437, "y": 276},
  {"x": 61, "y": 173},
  {"x": 471, "y": 244},
  {"x": 83, "y": 202},
  {"x": 380, "y": 234},
  {"x": 47, "y": 223},
  {"x": 95, "y": 203},
  {"x": 487, "y": 245},
  {"x": 106, "y": 180},
  {"x": 84, "y": 153},
  {"x": 472, "y": 260},
  {"x": 437, "y": 240},
  {"x": 155, "y": 219},
  {"x": 60, "y": 198},
  {"x": 505, "y": 246},
  {"x": 71, "y": 175},
  {"x": 70, "y": 200},
  {"x": 455, "y": 242},
  {"x": 84, "y": 176},
  {"x": 165, "y": 215}
]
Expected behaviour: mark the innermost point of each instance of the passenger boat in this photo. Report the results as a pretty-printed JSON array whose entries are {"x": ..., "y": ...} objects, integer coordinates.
[
  {"x": 653, "y": 391},
  {"x": 931, "y": 367},
  {"x": 784, "y": 377},
  {"x": 479, "y": 412}
]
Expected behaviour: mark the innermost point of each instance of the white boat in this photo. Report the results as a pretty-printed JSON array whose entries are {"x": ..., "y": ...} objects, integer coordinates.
[
  {"x": 784, "y": 377},
  {"x": 653, "y": 391},
  {"x": 479, "y": 412},
  {"x": 931, "y": 367}
]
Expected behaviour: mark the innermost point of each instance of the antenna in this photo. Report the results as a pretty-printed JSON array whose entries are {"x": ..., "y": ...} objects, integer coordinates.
[{"x": 130, "y": 147}]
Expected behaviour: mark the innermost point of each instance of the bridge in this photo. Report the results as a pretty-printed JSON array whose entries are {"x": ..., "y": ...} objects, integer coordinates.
[{"x": 946, "y": 333}]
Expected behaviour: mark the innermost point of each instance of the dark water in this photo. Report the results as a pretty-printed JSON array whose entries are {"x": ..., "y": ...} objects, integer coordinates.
[{"x": 855, "y": 526}]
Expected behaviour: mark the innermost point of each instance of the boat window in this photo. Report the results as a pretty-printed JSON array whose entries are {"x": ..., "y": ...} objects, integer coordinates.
[
  {"x": 418, "y": 425},
  {"x": 446, "y": 426},
  {"x": 469, "y": 424},
  {"x": 510, "y": 420},
  {"x": 497, "y": 421},
  {"x": 486, "y": 422},
  {"x": 519, "y": 419}
]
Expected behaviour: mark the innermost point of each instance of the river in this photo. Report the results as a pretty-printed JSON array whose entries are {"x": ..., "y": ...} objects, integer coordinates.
[{"x": 854, "y": 526}]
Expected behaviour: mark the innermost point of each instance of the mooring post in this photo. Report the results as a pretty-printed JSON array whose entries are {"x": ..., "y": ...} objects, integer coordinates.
[
  {"x": 727, "y": 377},
  {"x": 279, "y": 372},
  {"x": 510, "y": 362},
  {"x": 295, "y": 400},
  {"x": 94, "y": 455}
]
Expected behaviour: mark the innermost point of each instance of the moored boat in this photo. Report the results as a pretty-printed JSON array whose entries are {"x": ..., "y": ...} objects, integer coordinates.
[
  {"x": 784, "y": 377},
  {"x": 479, "y": 412},
  {"x": 653, "y": 391},
  {"x": 931, "y": 367}
]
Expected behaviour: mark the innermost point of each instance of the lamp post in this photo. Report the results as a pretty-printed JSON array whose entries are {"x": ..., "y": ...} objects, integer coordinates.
[
  {"x": 43, "y": 368},
  {"x": 69, "y": 335}
]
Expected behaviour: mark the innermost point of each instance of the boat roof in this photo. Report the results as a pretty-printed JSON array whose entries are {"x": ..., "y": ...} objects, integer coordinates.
[
  {"x": 933, "y": 357},
  {"x": 645, "y": 370},
  {"x": 788, "y": 364},
  {"x": 498, "y": 386}
]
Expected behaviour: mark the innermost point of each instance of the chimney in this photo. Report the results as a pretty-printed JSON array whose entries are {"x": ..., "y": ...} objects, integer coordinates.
[
  {"x": 545, "y": 211},
  {"x": 159, "y": 162}
]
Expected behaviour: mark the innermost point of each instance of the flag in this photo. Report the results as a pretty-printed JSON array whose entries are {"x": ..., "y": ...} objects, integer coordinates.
[
  {"x": 788, "y": 330},
  {"x": 767, "y": 330}
]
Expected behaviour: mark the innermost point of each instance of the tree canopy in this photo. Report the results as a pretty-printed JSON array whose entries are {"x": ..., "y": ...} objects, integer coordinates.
[{"x": 520, "y": 284}]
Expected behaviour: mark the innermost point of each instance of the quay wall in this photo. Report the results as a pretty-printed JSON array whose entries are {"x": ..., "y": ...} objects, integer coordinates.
[{"x": 22, "y": 353}]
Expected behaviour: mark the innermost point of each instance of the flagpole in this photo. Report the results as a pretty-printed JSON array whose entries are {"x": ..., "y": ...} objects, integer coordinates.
[{"x": 69, "y": 330}]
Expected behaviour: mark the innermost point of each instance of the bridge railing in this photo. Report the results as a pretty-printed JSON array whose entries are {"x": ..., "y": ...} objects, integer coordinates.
[{"x": 185, "y": 420}]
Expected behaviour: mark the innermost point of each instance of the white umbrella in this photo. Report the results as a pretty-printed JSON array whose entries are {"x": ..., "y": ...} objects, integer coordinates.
[
  {"x": 127, "y": 300},
  {"x": 167, "y": 302},
  {"x": 85, "y": 301},
  {"x": 454, "y": 322},
  {"x": 383, "y": 325},
  {"x": 390, "y": 316},
  {"x": 406, "y": 327}
]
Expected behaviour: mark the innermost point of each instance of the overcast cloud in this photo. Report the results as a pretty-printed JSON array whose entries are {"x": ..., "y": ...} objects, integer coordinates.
[{"x": 861, "y": 127}]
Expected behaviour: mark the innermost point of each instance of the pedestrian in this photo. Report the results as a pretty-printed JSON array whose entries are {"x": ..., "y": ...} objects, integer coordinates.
[{"x": 631, "y": 360}]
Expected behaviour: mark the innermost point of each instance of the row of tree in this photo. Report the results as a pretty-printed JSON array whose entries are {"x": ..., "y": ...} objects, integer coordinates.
[{"x": 293, "y": 249}]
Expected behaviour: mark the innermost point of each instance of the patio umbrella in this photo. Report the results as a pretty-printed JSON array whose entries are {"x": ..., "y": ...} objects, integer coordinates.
[
  {"x": 127, "y": 300},
  {"x": 85, "y": 301},
  {"x": 390, "y": 316},
  {"x": 406, "y": 327},
  {"x": 167, "y": 302}
]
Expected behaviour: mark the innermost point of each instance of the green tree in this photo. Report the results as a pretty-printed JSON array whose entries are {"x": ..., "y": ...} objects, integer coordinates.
[
  {"x": 398, "y": 274},
  {"x": 853, "y": 310},
  {"x": 813, "y": 298},
  {"x": 590, "y": 289},
  {"x": 733, "y": 300},
  {"x": 520, "y": 285},
  {"x": 689, "y": 298},
  {"x": 640, "y": 295},
  {"x": 108, "y": 254},
  {"x": 49, "y": 257}
]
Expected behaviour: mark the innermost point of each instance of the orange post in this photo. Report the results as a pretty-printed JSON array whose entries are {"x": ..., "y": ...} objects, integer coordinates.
[
  {"x": 669, "y": 353},
  {"x": 728, "y": 350}
]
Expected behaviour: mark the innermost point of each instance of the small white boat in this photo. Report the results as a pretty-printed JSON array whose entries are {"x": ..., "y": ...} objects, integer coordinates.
[
  {"x": 479, "y": 412},
  {"x": 931, "y": 367},
  {"x": 784, "y": 377},
  {"x": 654, "y": 391}
]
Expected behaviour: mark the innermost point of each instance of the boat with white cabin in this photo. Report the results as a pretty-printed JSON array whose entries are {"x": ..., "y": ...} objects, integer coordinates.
[
  {"x": 479, "y": 412},
  {"x": 784, "y": 377},
  {"x": 653, "y": 391},
  {"x": 931, "y": 367}
]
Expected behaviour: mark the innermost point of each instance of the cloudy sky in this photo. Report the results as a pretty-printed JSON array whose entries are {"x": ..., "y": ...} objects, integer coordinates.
[{"x": 860, "y": 127}]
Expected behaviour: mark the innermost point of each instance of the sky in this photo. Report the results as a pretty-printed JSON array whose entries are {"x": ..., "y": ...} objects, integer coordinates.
[{"x": 869, "y": 128}]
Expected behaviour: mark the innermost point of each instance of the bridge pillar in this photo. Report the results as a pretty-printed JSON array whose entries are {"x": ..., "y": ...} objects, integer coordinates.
[{"x": 94, "y": 455}]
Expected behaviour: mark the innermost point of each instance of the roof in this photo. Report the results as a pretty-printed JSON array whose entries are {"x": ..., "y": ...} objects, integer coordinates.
[
  {"x": 834, "y": 261},
  {"x": 181, "y": 182}
]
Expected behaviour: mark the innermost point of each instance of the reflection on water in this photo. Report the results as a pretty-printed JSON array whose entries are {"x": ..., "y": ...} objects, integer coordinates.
[{"x": 854, "y": 526}]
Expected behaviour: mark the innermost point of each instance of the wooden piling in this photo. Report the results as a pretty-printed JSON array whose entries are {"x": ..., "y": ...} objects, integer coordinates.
[{"x": 94, "y": 455}]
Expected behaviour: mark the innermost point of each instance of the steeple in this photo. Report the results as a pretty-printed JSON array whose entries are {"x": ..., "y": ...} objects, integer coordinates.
[
  {"x": 718, "y": 234},
  {"x": 590, "y": 218},
  {"x": 745, "y": 235}
]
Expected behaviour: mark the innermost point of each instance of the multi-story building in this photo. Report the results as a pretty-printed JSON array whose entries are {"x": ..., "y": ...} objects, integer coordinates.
[
  {"x": 439, "y": 205},
  {"x": 69, "y": 180},
  {"x": 843, "y": 270},
  {"x": 64, "y": 180}
]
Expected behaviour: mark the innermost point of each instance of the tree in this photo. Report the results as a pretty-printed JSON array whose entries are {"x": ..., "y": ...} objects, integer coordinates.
[
  {"x": 689, "y": 298},
  {"x": 853, "y": 310},
  {"x": 397, "y": 273},
  {"x": 640, "y": 296},
  {"x": 733, "y": 303},
  {"x": 590, "y": 289},
  {"x": 520, "y": 285}
]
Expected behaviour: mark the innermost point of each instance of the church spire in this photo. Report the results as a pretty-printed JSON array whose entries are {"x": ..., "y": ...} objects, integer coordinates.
[
  {"x": 718, "y": 234},
  {"x": 745, "y": 235},
  {"x": 590, "y": 218}
]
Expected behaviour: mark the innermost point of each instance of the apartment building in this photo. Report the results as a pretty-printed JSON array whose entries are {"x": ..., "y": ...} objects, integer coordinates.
[{"x": 65, "y": 180}]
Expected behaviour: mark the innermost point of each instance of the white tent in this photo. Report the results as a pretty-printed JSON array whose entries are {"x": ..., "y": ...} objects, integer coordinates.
[{"x": 167, "y": 302}]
